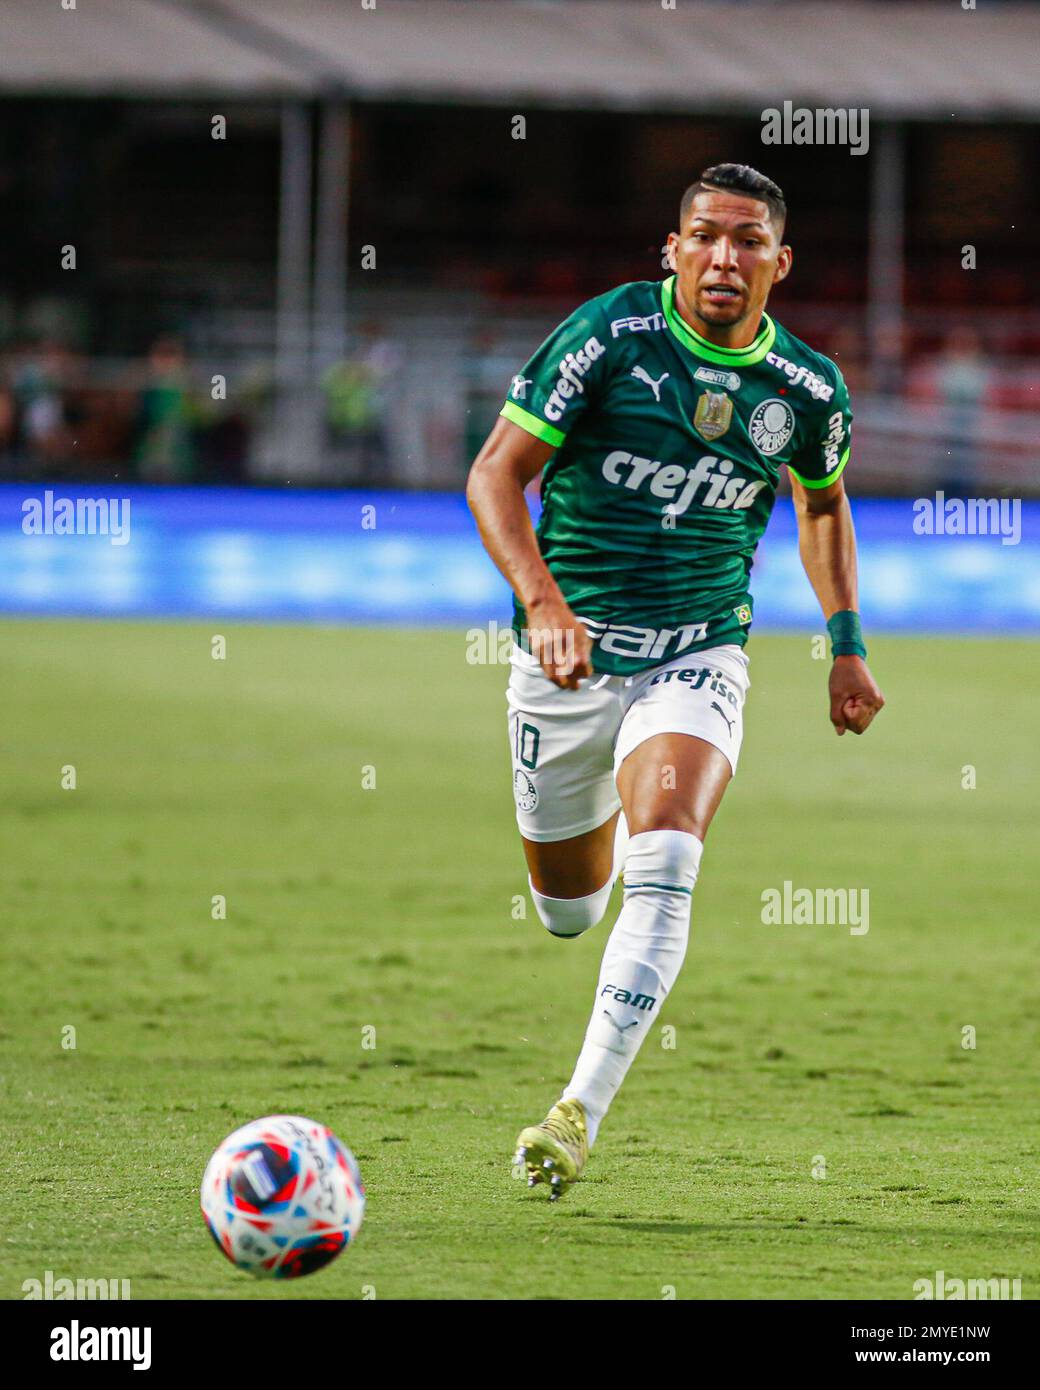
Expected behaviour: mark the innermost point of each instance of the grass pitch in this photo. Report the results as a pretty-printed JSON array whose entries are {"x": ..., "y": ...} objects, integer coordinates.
[{"x": 392, "y": 907}]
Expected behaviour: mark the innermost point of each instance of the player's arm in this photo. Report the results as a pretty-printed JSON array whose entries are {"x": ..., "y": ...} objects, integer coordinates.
[
  {"x": 508, "y": 461},
  {"x": 827, "y": 545}
]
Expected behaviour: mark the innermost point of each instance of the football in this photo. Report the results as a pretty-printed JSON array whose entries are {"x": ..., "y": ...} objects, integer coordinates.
[{"x": 282, "y": 1197}]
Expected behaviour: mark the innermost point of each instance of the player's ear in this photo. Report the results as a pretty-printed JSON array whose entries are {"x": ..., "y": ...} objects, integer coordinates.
[
  {"x": 670, "y": 245},
  {"x": 783, "y": 264}
]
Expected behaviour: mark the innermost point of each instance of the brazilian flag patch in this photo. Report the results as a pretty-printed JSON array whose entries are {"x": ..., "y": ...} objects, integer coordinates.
[{"x": 743, "y": 613}]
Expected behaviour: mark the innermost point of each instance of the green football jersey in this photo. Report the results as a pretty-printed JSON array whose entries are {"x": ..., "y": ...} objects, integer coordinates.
[{"x": 668, "y": 455}]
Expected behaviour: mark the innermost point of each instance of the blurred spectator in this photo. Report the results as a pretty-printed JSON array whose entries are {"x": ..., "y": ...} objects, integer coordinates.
[
  {"x": 164, "y": 445},
  {"x": 962, "y": 377},
  {"x": 43, "y": 403},
  {"x": 357, "y": 394}
]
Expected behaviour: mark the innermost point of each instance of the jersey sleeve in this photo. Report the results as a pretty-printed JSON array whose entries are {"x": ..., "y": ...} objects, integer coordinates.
[
  {"x": 822, "y": 459},
  {"x": 563, "y": 379}
]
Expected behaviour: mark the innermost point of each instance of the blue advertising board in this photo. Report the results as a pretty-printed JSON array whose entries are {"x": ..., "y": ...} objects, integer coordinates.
[{"x": 415, "y": 558}]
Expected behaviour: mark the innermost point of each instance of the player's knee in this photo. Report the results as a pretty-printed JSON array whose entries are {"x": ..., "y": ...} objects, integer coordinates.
[
  {"x": 571, "y": 916},
  {"x": 665, "y": 860}
]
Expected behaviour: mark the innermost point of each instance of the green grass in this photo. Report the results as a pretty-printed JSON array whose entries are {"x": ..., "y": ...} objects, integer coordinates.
[{"x": 392, "y": 907}]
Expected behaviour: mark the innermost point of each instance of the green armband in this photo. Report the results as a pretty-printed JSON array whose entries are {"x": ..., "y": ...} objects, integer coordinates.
[{"x": 846, "y": 634}]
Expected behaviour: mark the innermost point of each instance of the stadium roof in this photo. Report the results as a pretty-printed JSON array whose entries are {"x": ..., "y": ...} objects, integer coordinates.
[
  {"x": 899, "y": 59},
  {"x": 131, "y": 48}
]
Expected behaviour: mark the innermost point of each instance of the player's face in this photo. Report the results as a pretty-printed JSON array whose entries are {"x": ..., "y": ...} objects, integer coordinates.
[{"x": 727, "y": 256}]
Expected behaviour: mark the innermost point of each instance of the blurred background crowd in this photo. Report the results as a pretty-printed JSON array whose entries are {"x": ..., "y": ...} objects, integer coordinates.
[{"x": 191, "y": 343}]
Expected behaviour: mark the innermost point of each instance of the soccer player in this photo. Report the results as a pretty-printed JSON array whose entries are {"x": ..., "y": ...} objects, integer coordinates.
[{"x": 662, "y": 412}]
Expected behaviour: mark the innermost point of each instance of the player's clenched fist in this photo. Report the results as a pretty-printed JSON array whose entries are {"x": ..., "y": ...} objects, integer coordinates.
[
  {"x": 559, "y": 640},
  {"x": 855, "y": 697}
]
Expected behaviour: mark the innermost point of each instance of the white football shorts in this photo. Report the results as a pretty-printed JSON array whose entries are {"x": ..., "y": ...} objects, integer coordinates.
[{"x": 567, "y": 745}]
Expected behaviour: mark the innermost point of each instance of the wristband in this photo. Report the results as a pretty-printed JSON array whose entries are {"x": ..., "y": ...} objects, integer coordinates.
[{"x": 846, "y": 634}]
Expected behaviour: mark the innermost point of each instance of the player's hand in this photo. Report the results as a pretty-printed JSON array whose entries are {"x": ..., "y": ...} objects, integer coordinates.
[
  {"x": 855, "y": 698},
  {"x": 559, "y": 640}
]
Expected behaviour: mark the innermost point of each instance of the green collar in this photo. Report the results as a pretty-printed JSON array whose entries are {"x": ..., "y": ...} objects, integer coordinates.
[{"x": 691, "y": 339}]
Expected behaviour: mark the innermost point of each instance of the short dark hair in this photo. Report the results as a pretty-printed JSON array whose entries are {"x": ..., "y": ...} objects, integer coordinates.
[{"x": 739, "y": 178}]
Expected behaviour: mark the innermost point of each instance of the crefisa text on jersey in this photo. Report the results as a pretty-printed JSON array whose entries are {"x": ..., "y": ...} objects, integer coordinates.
[
  {"x": 819, "y": 389},
  {"x": 572, "y": 368},
  {"x": 723, "y": 491}
]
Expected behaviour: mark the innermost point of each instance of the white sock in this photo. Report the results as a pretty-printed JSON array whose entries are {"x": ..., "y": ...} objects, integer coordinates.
[
  {"x": 641, "y": 963},
  {"x": 620, "y": 846}
]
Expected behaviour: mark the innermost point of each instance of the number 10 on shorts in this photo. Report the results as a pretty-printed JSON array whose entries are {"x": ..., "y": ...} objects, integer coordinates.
[{"x": 527, "y": 737}]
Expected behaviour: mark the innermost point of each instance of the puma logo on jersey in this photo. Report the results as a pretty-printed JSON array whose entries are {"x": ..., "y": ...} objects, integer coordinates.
[
  {"x": 719, "y": 710},
  {"x": 520, "y": 385},
  {"x": 641, "y": 374}
]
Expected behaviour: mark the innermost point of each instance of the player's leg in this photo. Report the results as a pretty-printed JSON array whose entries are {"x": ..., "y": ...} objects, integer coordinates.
[
  {"x": 567, "y": 805},
  {"x": 671, "y": 787},
  {"x": 673, "y": 782},
  {"x": 676, "y": 753},
  {"x": 568, "y": 813},
  {"x": 571, "y": 880}
]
